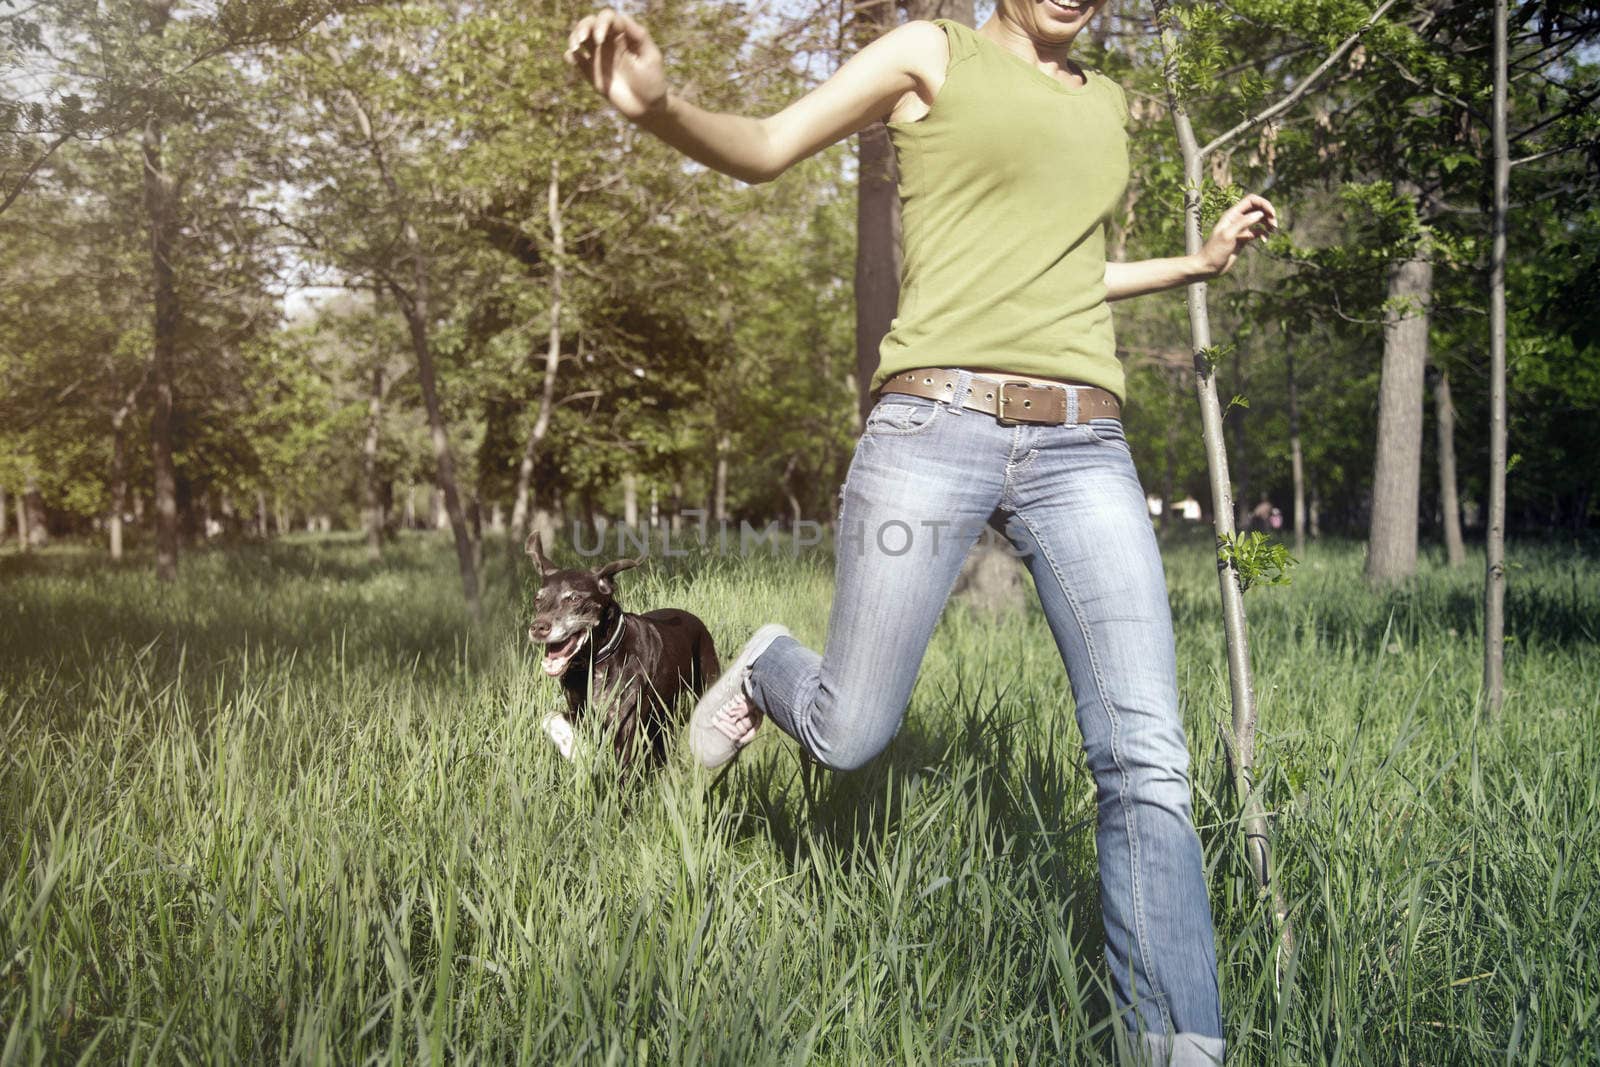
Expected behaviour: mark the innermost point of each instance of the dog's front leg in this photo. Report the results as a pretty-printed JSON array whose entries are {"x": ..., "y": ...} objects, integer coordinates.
[{"x": 562, "y": 733}]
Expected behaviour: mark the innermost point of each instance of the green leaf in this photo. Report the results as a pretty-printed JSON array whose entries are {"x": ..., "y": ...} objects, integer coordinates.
[{"x": 1256, "y": 559}]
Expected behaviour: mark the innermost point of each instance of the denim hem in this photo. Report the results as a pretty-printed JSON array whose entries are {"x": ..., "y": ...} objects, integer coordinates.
[{"x": 1175, "y": 1050}]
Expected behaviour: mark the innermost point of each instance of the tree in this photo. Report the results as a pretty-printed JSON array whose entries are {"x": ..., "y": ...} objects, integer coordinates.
[
  {"x": 368, "y": 166},
  {"x": 157, "y": 67},
  {"x": 1495, "y": 548},
  {"x": 1241, "y": 746},
  {"x": 161, "y": 210},
  {"x": 1444, "y": 408},
  {"x": 1396, "y": 481}
]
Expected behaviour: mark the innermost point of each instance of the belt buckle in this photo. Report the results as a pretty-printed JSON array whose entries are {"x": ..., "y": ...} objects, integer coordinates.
[{"x": 1000, "y": 409}]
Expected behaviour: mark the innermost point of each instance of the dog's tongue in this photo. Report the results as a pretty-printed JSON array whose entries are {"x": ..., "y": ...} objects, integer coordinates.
[{"x": 556, "y": 657}]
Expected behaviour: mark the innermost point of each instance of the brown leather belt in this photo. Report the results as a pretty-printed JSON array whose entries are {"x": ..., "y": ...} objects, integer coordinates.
[{"x": 1008, "y": 400}]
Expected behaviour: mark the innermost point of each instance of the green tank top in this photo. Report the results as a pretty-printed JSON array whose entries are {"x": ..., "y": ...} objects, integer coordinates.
[{"x": 1006, "y": 187}]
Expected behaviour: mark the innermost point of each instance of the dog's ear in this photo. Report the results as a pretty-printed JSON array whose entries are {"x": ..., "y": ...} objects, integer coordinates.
[
  {"x": 603, "y": 575},
  {"x": 536, "y": 550}
]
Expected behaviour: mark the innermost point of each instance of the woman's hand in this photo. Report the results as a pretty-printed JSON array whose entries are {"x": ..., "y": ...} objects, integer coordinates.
[
  {"x": 1250, "y": 218},
  {"x": 619, "y": 59}
]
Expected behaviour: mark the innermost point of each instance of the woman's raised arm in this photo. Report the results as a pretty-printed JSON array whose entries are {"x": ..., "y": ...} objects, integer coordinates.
[
  {"x": 617, "y": 56},
  {"x": 1252, "y": 217}
]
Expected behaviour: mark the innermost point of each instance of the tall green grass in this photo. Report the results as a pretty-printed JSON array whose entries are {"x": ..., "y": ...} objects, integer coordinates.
[{"x": 295, "y": 808}]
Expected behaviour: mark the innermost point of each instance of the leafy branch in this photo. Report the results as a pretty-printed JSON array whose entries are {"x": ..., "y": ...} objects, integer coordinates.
[{"x": 1256, "y": 558}]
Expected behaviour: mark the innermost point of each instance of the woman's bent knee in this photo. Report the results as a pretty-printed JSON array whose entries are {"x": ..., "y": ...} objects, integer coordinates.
[
  {"x": 848, "y": 735},
  {"x": 846, "y": 759}
]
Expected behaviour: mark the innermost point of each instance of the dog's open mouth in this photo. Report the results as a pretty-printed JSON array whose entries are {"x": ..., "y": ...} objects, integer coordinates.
[{"x": 558, "y": 654}]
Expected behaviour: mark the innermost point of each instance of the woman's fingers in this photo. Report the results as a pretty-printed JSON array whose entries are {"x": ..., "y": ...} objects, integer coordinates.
[
  {"x": 1236, "y": 222},
  {"x": 634, "y": 32},
  {"x": 591, "y": 31},
  {"x": 579, "y": 46},
  {"x": 580, "y": 33},
  {"x": 1261, "y": 205},
  {"x": 1247, "y": 221},
  {"x": 1252, "y": 210}
]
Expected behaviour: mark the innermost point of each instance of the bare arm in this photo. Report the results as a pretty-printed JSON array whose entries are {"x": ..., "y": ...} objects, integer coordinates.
[
  {"x": 623, "y": 64},
  {"x": 1235, "y": 229}
]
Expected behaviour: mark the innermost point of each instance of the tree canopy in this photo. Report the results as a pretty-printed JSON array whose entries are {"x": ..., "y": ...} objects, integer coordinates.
[{"x": 303, "y": 254}]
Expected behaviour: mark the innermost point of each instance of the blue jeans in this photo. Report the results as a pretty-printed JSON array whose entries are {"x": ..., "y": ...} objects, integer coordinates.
[{"x": 927, "y": 477}]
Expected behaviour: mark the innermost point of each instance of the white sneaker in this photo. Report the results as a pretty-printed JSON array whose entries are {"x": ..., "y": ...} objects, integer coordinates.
[{"x": 725, "y": 720}]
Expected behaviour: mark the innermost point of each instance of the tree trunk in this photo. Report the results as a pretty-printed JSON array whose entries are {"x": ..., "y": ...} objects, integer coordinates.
[
  {"x": 32, "y": 509},
  {"x": 415, "y": 306},
  {"x": 1297, "y": 465},
  {"x": 724, "y": 446},
  {"x": 786, "y": 480},
  {"x": 1236, "y": 417},
  {"x": 159, "y": 194},
  {"x": 1444, "y": 411},
  {"x": 1169, "y": 473},
  {"x": 1494, "y": 584},
  {"x": 475, "y": 527},
  {"x": 119, "y": 473},
  {"x": 261, "y": 514},
  {"x": 630, "y": 500},
  {"x": 5, "y": 515},
  {"x": 1397, "y": 478},
  {"x": 444, "y": 462},
  {"x": 369, "y": 467},
  {"x": 591, "y": 519},
  {"x": 877, "y": 281},
  {"x": 552, "y": 360},
  {"x": 22, "y": 522},
  {"x": 1241, "y": 738}
]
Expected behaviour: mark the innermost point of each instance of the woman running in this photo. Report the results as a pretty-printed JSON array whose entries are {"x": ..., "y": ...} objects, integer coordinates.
[{"x": 998, "y": 404}]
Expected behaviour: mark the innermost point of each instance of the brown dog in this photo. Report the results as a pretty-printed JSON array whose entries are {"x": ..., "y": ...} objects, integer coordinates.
[{"x": 632, "y": 668}]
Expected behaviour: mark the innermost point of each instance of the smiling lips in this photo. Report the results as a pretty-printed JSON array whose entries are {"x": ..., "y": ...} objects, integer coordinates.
[
  {"x": 558, "y": 655},
  {"x": 1070, "y": 7}
]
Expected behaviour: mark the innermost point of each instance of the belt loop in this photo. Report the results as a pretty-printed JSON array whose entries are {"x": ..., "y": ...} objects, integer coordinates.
[
  {"x": 963, "y": 387},
  {"x": 1072, "y": 405}
]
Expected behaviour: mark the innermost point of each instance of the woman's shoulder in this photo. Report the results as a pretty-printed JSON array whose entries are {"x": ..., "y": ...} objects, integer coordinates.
[
  {"x": 946, "y": 39},
  {"x": 1112, "y": 89}
]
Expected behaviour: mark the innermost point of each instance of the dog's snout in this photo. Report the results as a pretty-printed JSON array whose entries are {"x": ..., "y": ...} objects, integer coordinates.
[{"x": 539, "y": 630}]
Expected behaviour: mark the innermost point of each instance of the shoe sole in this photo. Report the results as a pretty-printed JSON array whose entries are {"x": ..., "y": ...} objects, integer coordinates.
[{"x": 710, "y": 746}]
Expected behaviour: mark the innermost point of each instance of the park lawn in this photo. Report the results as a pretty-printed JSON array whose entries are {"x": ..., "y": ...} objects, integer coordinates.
[{"x": 296, "y": 808}]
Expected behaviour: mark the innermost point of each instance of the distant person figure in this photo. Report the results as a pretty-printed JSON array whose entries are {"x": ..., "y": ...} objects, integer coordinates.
[
  {"x": 999, "y": 403},
  {"x": 1261, "y": 516},
  {"x": 1275, "y": 519}
]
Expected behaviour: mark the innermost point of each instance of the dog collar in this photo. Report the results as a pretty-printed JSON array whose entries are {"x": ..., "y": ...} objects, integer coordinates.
[{"x": 615, "y": 639}]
